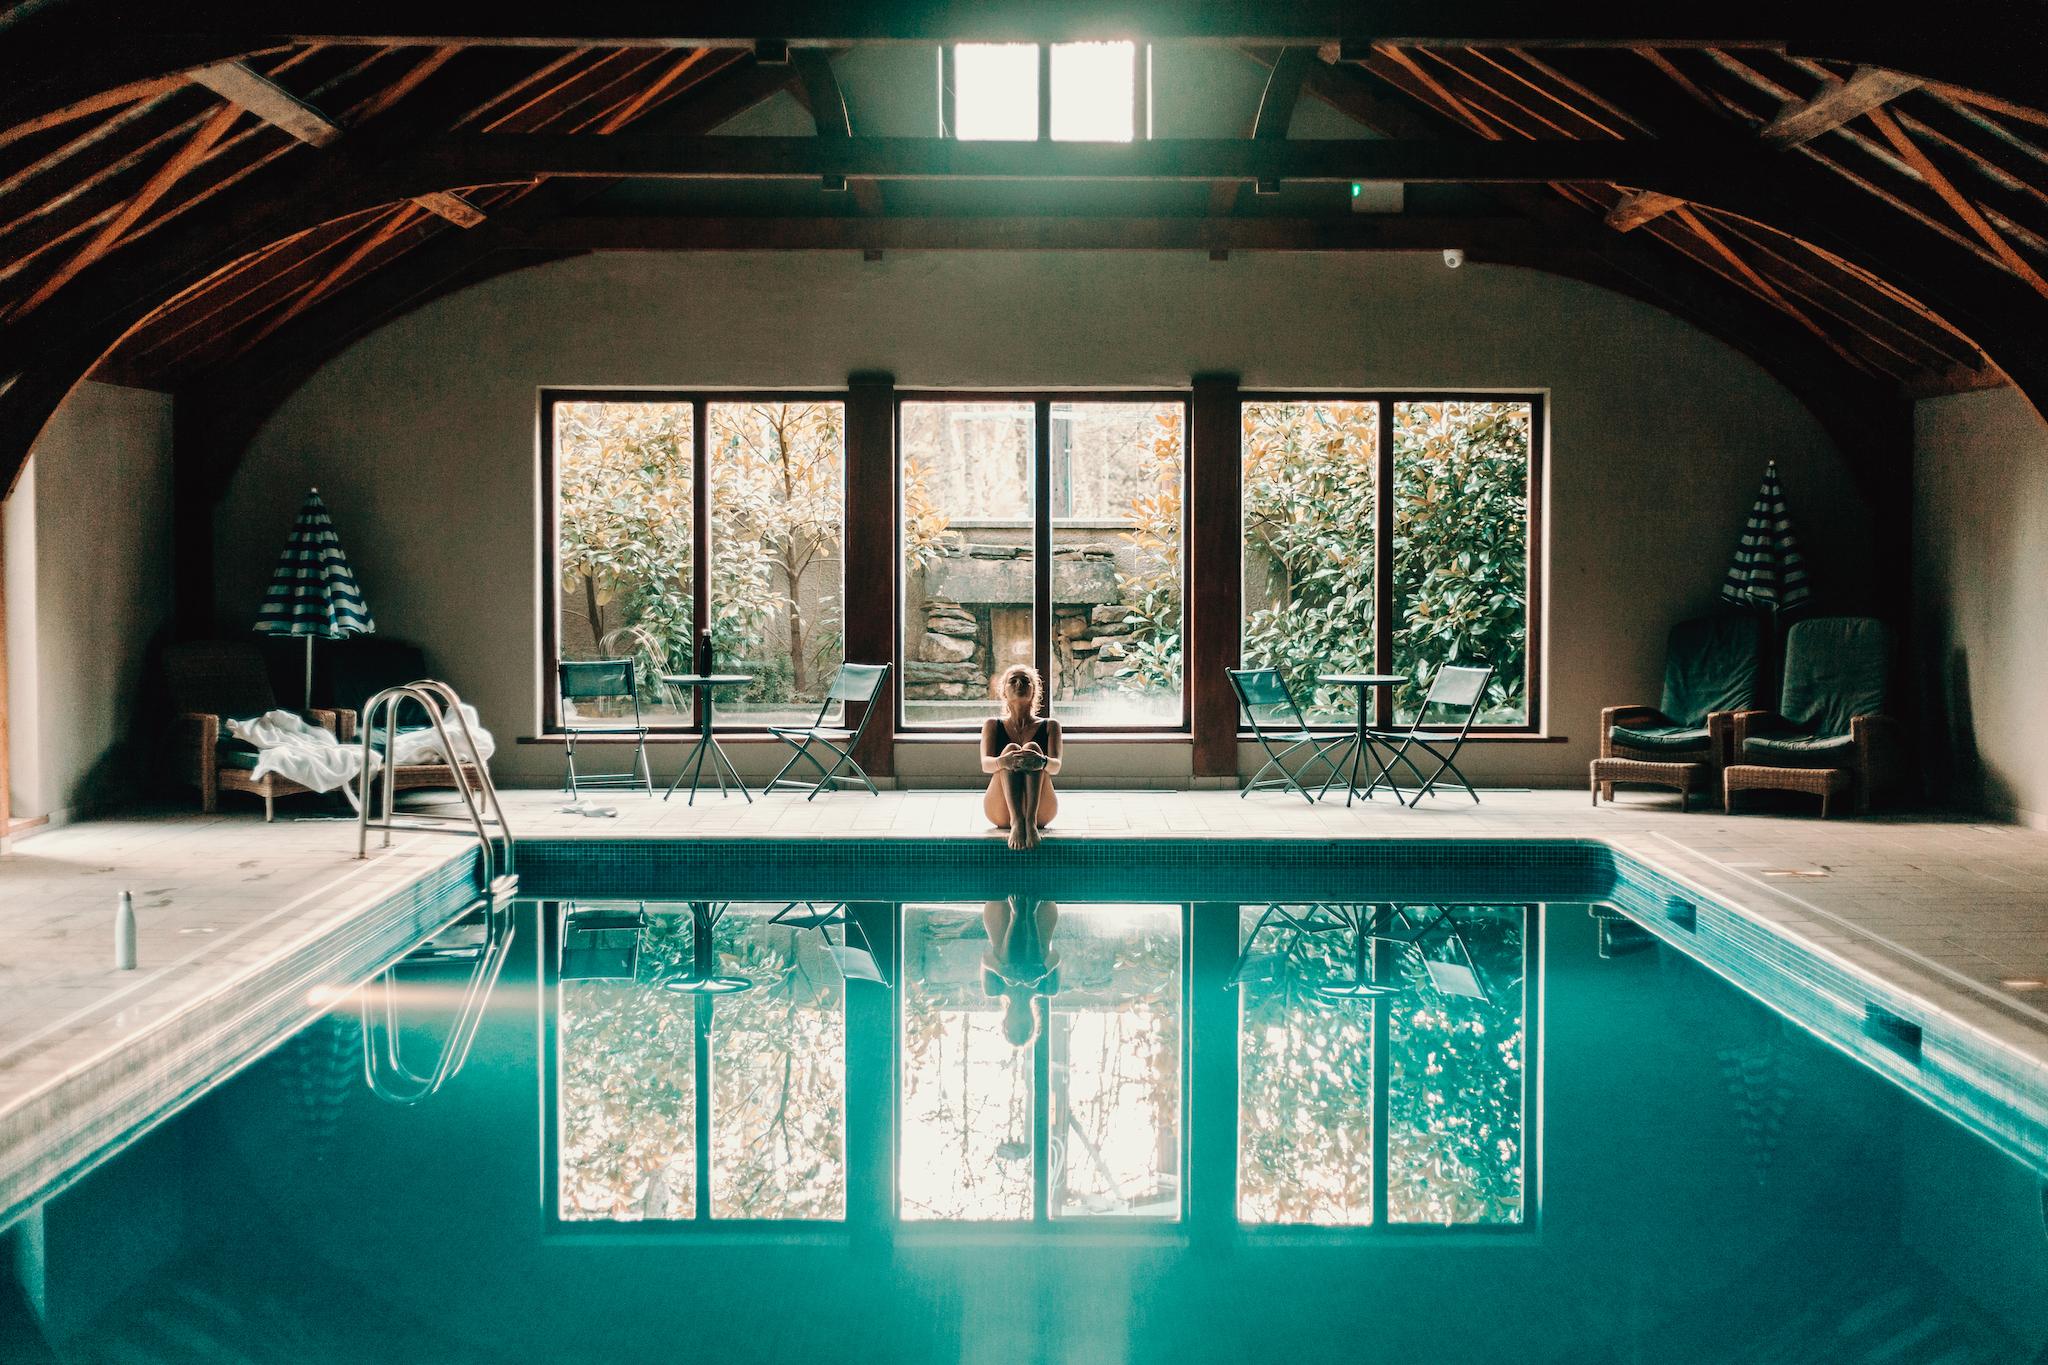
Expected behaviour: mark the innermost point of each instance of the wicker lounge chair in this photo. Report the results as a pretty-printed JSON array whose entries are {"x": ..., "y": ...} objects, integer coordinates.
[
  {"x": 212, "y": 682},
  {"x": 1830, "y": 735},
  {"x": 1710, "y": 673}
]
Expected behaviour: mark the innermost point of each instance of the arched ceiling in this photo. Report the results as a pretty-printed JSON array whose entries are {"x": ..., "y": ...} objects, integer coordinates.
[{"x": 216, "y": 212}]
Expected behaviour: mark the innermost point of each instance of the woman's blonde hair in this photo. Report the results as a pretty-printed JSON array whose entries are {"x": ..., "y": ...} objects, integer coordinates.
[{"x": 1026, "y": 671}]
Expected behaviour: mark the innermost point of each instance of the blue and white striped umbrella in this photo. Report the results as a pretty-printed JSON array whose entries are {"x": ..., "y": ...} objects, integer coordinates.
[
  {"x": 313, "y": 592},
  {"x": 1767, "y": 570}
]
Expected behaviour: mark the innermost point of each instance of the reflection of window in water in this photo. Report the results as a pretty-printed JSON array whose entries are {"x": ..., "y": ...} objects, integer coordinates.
[
  {"x": 638, "y": 1135},
  {"x": 1438, "y": 990},
  {"x": 1103, "y": 1074}
]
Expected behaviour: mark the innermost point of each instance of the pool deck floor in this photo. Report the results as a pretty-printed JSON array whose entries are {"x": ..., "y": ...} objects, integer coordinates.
[{"x": 1952, "y": 910}]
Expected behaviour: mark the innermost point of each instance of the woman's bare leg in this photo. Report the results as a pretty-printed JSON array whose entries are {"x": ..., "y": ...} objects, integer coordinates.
[
  {"x": 994, "y": 804},
  {"x": 1025, "y": 790},
  {"x": 1021, "y": 795},
  {"x": 995, "y": 918},
  {"x": 1048, "y": 804}
]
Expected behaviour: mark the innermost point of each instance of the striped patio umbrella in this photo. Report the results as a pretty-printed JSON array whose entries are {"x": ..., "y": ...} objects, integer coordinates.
[
  {"x": 313, "y": 592},
  {"x": 1767, "y": 571}
]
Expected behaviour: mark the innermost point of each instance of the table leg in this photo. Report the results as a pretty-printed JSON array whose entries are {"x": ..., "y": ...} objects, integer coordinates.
[{"x": 696, "y": 751}]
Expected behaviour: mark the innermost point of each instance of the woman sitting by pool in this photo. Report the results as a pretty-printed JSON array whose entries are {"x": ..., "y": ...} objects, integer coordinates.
[{"x": 1020, "y": 749}]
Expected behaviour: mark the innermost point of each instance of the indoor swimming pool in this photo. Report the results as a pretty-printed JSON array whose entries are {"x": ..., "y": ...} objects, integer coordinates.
[{"x": 1210, "y": 1106}]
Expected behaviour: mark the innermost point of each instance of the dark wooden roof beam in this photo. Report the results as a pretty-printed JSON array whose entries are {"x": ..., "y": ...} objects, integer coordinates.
[
  {"x": 276, "y": 106},
  {"x": 1867, "y": 88},
  {"x": 1958, "y": 201},
  {"x": 1638, "y": 208}
]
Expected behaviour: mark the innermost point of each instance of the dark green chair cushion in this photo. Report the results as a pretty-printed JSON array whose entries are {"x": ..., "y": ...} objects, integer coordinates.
[
  {"x": 1835, "y": 669},
  {"x": 1663, "y": 739},
  {"x": 1710, "y": 664},
  {"x": 230, "y": 752},
  {"x": 1801, "y": 751}
]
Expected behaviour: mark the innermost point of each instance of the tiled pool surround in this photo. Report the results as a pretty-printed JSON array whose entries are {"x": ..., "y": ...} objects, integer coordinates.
[{"x": 1985, "y": 1061}]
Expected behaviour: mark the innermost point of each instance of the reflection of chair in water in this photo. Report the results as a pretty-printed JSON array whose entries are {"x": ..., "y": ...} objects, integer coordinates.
[
  {"x": 1302, "y": 924},
  {"x": 1452, "y": 970},
  {"x": 1455, "y": 974},
  {"x": 601, "y": 945},
  {"x": 855, "y": 964}
]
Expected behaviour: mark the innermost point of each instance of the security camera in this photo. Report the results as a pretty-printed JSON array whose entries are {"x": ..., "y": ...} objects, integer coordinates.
[{"x": 1454, "y": 258}]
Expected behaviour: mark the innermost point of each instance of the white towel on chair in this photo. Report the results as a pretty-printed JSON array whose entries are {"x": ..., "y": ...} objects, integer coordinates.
[
  {"x": 298, "y": 751},
  {"x": 424, "y": 746}
]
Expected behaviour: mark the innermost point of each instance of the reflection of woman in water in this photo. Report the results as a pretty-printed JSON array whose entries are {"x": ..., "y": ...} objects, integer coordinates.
[
  {"x": 1020, "y": 749},
  {"x": 1021, "y": 967}
]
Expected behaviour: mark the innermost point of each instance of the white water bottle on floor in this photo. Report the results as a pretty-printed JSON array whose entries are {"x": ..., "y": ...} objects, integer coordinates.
[{"x": 124, "y": 933}]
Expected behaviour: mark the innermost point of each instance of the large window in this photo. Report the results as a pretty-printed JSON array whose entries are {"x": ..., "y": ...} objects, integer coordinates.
[
  {"x": 651, "y": 488},
  {"x": 1045, "y": 531},
  {"x": 1068, "y": 92},
  {"x": 1391, "y": 534}
]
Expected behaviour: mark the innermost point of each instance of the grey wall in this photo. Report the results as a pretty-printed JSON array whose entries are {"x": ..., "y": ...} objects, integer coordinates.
[
  {"x": 1981, "y": 536},
  {"x": 88, "y": 582},
  {"x": 423, "y": 436}
]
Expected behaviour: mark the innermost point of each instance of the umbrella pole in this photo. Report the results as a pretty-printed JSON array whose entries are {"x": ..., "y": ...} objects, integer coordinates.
[{"x": 309, "y": 673}]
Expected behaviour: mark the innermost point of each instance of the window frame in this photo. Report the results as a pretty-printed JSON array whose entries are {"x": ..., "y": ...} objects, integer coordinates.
[
  {"x": 1383, "y": 538},
  {"x": 1042, "y": 401},
  {"x": 700, "y": 401},
  {"x": 1141, "y": 88}
]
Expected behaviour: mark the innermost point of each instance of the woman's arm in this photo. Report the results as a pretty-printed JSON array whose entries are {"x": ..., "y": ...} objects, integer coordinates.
[
  {"x": 991, "y": 757},
  {"x": 1052, "y": 747}
]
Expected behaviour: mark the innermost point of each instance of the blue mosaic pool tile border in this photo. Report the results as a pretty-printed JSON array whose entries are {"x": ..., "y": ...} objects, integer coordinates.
[
  {"x": 1173, "y": 869},
  {"x": 2000, "y": 1095}
]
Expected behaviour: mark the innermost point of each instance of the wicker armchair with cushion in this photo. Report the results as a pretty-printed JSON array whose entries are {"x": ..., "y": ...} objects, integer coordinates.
[
  {"x": 1710, "y": 673},
  {"x": 211, "y": 682},
  {"x": 1830, "y": 734}
]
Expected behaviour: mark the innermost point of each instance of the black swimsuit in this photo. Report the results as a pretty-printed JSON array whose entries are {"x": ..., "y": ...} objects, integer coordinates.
[{"x": 1001, "y": 736}]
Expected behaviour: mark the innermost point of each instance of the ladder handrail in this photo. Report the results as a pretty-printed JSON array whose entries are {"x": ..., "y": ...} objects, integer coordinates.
[
  {"x": 403, "y": 1085},
  {"x": 431, "y": 695}
]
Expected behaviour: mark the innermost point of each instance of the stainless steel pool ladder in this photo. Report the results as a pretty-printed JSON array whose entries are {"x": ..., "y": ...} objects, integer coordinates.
[
  {"x": 384, "y": 1068},
  {"x": 486, "y": 822}
]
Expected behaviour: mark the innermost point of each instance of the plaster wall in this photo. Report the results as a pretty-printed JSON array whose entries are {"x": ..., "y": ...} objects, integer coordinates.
[
  {"x": 424, "y": 435},
  {"x": 88, "y": 583},
  {"x": 1981, "y": 557}
]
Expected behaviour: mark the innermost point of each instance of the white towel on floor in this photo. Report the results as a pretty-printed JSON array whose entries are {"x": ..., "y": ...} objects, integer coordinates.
[{"x": 298, "y": 751}]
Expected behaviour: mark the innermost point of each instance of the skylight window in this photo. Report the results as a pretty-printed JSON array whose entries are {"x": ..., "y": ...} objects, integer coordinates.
[
  {"x": 1020, "y": 92},
  {"x": 995, "y": 92},
  {"x": 1091, "y": 91}
]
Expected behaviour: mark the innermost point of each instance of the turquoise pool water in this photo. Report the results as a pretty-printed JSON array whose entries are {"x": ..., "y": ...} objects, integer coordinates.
[{"x": 1194, "y": 1104}]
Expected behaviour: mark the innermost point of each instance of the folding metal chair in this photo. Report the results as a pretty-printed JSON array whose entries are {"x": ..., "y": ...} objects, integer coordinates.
[
  {"x": 603, "y": 680},
  {"x": 1264, "y": 698},
  {"x": 1456, "y": 692},
  {"x": 854, "y": 683}
]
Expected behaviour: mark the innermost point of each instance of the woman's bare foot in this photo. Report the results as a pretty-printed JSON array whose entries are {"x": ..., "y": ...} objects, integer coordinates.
[
  {"x": 1018, "y": 837},
  {"x": 1031, "y": 836}
]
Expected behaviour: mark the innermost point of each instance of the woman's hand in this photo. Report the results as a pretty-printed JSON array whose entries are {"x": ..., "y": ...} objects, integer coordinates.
[{"x": 1010, "y": 757}]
